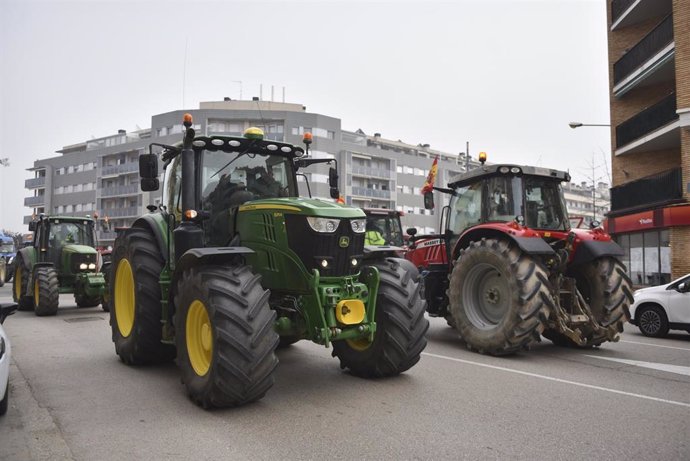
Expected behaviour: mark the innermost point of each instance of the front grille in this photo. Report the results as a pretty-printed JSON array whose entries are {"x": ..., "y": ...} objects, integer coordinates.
[
  {"x": 312, "y": 247},
  {"x": 78, "y": 259}
]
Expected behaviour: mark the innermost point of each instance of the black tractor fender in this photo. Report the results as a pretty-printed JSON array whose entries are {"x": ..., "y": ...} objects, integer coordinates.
[
  {"x": 528, "y": 245},
  {"x": 589, "y": 250},
  {"x": 204, "y": 256},
  {"x": 25, "y": 254}
]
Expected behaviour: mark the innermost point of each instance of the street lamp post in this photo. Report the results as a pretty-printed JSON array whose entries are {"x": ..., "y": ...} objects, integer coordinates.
[{"x": 574, "y": 125}]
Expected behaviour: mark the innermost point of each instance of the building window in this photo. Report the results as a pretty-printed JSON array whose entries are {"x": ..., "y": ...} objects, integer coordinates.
[{"x": 647, "y": 255}]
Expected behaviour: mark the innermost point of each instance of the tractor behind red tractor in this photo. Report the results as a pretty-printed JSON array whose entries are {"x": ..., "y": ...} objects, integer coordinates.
[{"x": 507, "y": 267}]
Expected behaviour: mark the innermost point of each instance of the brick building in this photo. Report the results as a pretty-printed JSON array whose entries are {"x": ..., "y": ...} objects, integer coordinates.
[{"x": 649, "y": 78}]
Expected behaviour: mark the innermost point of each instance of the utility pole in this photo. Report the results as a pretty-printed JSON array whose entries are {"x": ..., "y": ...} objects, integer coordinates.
[{"x": 467, "y": 156}]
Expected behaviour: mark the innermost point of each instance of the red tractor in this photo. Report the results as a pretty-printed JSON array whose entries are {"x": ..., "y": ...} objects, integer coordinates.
[{"x": 507, "y": 267}]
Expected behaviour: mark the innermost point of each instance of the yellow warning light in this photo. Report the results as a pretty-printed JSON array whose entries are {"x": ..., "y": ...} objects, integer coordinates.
[
  {"x": 187, "y": 119},
  {"x": 254, "y": 133},
  {"x": 482, "y": 157}
]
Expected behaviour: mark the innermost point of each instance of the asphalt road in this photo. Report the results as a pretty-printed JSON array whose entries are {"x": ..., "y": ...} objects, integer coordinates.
[{"x": 71, "y": 398}]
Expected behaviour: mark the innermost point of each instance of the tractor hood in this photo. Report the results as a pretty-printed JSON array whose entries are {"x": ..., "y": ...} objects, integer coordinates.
[
  {"x": 71, "y": 248},
  {"x": 305, "y": 206}
]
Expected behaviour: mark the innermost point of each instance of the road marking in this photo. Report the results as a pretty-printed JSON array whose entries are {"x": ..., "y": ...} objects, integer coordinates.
[
  {"x": 654, "y": 366},
  {"x": 558, "y": 380},
  {"x": 655, "y": 345}
]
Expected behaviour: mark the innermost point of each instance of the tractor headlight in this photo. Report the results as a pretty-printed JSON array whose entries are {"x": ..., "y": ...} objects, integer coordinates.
[
  {"x": 358, "y": 225},
  {"x": 92, "y": 266},
  {"x": 83, "y": 266},
  {"x": 328, "y": 225}
]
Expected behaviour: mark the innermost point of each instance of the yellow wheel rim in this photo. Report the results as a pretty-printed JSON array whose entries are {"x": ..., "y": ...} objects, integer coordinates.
[
  {"x": 359, "y": 344},
  {"x": 18, "y": 283},
  {"x": 124, "y": 297},
  {"x": 36, "y": 292},
  {"x": 199, "y": 336}
]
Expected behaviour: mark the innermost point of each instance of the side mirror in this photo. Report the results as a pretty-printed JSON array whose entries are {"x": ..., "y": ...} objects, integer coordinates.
[
  {"x": 6, "y": 309},
  {"x": 333, "y": 183},
  {"x": 411, "y": 231},
  {"x": 429, "y": 200},
  {"x": 682, "y": 288},
  {"x": 148, "y": 166},
  {"x": 32, "y": 226},
  {"x": 148, "y": 171}
]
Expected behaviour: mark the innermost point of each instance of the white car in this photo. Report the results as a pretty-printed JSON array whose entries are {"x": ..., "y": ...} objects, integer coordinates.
[
  {"x": 659, "y": 309},
  {"x": 5, "y": 351}
]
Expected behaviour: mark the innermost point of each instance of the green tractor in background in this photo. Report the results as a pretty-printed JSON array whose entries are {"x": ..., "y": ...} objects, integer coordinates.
[
  {"x": 61, "y": 259},
  {"x": 233, "y": 264}
]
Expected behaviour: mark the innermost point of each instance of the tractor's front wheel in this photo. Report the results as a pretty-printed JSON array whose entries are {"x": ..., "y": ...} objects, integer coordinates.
[
  {"x": 400, "y": 325},
  {"x": 606, "y": 288},
  {"x": 46, "y": 291},
  {"x": 498, "y": 297},
  {"x": 83, "y": 300},
  {"x": 224, "y": 335},
  {"x": 135, "y": 318},
  {"x": 19, "y": 282},
  {"x": 3, "y": 274}
]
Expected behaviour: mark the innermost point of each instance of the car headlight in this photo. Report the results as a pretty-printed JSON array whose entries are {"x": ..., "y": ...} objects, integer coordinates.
[
  {"x": 10, "y": 261},
  {"x": 358, "y": 225},
  {"x": 2, "y": 346},
  {"x": 83, "y": 266},
  {"x": 92, "y": 266},
  {"x": 328, "y": 225}
]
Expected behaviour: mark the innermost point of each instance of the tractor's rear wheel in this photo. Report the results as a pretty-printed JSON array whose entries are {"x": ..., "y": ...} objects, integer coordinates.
[
  {"x": 400, "y": 325},
  {"x": 21, "y": 277},
  {"x": 135, "y": 318},
  {"x": 606, "y": 288},
  {"x": 46, "y": 291},
  {"x": 224, "y": 335},
  {"x": 499, "y": 297}
]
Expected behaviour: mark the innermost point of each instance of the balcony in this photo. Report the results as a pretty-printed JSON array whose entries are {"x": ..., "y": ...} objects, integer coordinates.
[
  {"x": 106, "y": 235},
  {"x": 371, "y": 172},
  {"x": 366, "y": 192},
  {"x": 655, "y": 128},
  {"x": 116, "y": 170},
  {"x": 651, "y": 191},
  {"x": 35, "y": 183},
  {"x": 127, "y": 212},
  {"x": 130, "y": 189},
  {"x": 650, "y": 61},
  {"x": 626, "y": 13},
  {"x": 35, "y": 201}
]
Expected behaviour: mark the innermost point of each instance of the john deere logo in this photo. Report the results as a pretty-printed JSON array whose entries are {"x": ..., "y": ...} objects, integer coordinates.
[{"x": 344, "y": 242}]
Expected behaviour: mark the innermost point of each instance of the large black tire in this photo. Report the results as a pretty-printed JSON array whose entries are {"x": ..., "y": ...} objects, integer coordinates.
[
  {"x": 5, "y": 402},
  {"x": 21, "y": 278},
  {"x": 46, "y": 291},
  {"x": 499, "y": 297},
  {"x": 135, "y": 318},
  {"x": 652, "y": 320},
  {"x": 606, "y": 288},
  {"x": 105, "y": 301},
  {"x": 400, "y": 325},
  {"x": 3, "y": 273},
  {"x": 224, "y": 335},
  {"x": 84, "y": 301}
]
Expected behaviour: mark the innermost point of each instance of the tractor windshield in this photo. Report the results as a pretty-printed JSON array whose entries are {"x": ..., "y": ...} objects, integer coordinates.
[
  {"x": 544, "y": 205},
  {"x": 264, "y": 176},
  {"x": 388, "y": 227},
  {"x": 65, "y": 233},
  {"x": 6, "y": 247}
]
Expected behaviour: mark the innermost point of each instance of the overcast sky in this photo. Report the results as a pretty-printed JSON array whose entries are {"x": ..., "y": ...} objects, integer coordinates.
[{"x": 507, "y": 76}]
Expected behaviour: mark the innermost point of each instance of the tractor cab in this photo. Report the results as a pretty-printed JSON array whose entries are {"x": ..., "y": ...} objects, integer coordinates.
[
  {"x": 531, "y": 196},
  {"x": 66, "y": 242}
]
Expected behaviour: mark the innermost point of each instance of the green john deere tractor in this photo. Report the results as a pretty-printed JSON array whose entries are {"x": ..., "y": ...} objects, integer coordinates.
[
  {"x": 233, "y": 264},
  {"x": 62, "y": 259}
]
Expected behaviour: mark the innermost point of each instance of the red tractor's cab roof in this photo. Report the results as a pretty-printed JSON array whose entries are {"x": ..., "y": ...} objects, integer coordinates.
[{"x": 485, "y": 171}]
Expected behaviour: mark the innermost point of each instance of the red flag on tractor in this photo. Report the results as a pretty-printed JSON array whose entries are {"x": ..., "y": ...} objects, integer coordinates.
[{"x": 429, "y": 183}]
